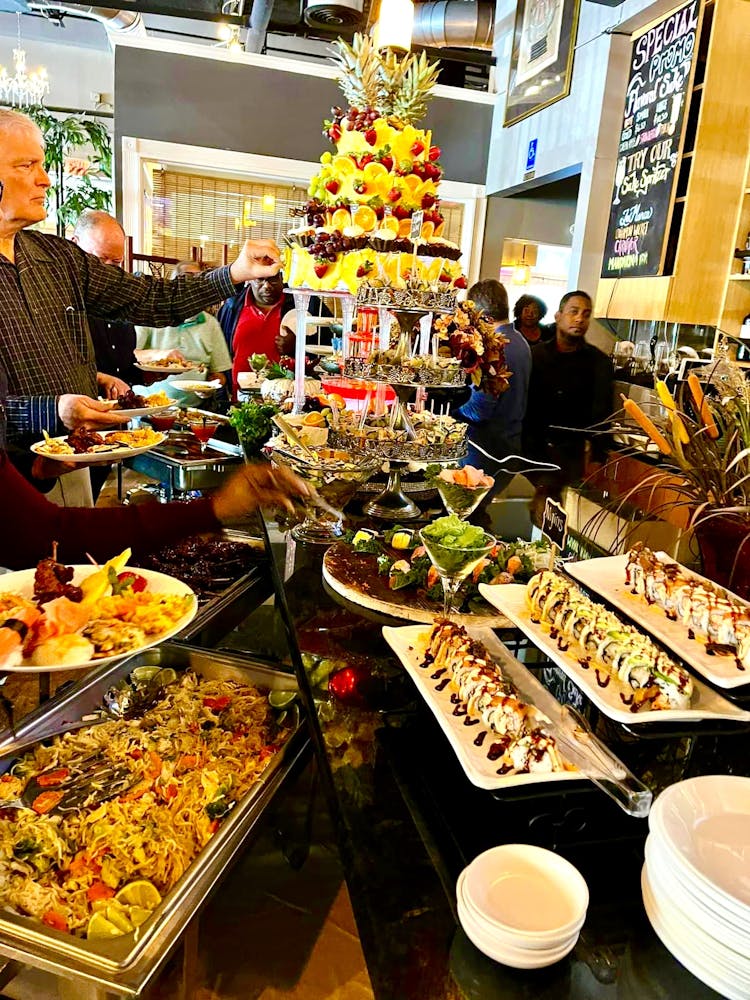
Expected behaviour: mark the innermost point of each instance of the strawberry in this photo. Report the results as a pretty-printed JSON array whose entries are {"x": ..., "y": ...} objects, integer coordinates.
[
  {"x": 334, "y": 132},
  {"x": 394, "y": 194},
  {"x": 417, "y": 148},
  {"x": 332, "y": 186},
  {"x": 434, "y": 153},
  {"x": 400, "y": 212},
  {"x": 364, "y": 269},
  {"x": 320, "y": 269},
  {"x": 361, "y": 188},
  {"x": 364, "y": 160},
  {"x": 371, "y": 137},
  {"x": 428, "y": 200},
  {"x": 387, "y": 161},
  {"x": 461, "y": 282},
  {"x": 379, "y": 212},
  {"x": 444, "y": 276}
]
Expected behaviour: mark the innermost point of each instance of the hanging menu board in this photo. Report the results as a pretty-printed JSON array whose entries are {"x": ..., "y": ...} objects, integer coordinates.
[{"x": 661, "y": 67}]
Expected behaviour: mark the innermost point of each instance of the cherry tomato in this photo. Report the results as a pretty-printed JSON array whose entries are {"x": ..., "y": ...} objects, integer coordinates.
[
  {"x": 52, "y": 918},
  {"x": 99, "y": 890},
  {"x": 217, "y": 704}
]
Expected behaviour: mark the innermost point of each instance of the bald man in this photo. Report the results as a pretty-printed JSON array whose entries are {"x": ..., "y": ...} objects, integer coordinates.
[{"x": 102, "y": 235}]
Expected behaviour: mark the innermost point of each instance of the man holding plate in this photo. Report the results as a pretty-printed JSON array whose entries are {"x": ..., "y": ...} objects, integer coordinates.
[{"x": 48, "y": 287}]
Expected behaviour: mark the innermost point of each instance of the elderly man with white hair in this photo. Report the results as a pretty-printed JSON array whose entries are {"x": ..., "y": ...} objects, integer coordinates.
[{"x": 48, "y": 286}]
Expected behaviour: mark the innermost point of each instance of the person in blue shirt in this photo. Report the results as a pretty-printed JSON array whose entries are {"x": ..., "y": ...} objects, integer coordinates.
[{"x": 495, "y": 423}]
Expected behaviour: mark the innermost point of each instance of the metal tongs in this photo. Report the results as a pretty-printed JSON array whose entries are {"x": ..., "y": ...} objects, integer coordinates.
[{"x": 581, "y": 747}]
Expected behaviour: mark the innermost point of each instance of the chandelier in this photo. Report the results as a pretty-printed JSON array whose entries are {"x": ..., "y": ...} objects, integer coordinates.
[{"x": 22, "y": 88}]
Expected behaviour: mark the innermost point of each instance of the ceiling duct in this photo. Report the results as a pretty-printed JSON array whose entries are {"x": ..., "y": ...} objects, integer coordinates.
[
  {"x": 454, "y": 24},
  {"x": 332, "y": 15},
  {"x": 119, "y": 21}
]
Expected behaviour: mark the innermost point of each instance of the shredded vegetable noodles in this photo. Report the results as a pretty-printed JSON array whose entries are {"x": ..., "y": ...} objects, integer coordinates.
[{"x": 192, "y": 757}]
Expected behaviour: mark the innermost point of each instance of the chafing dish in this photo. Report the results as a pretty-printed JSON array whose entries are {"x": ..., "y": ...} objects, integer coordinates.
[
  {"x": 127, "y": 964},
  {"x": 182, "y": 470}
]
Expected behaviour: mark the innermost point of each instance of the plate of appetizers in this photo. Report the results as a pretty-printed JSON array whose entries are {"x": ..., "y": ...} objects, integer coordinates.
[
  {"x": 169, "y": 366},
  {"x": 500, "y": 739},
  {"x": 624, "y": 673},
  {"x": 131, "y": 404},
  {"x": 57, "y": 617},
  {"x": 89, "y": 446},
  {"x": 390, "y": 573},
  {"x": 707, "y": 626}
]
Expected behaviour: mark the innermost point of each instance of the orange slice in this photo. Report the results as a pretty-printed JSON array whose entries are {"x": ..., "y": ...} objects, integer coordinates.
[
  {"x": 428, "y": 230},
  {"x": 412, "y": 183},
  {"x": 341, "y": 219},
  {"x": 343, "y": 166},
  {"x": 373, "y": 171},
  {"x": 404, "y": 227},
  {"x": 366, "y": 218},
  {"x": 392, "y": 223},
  {"x": 439, "y": 229}
]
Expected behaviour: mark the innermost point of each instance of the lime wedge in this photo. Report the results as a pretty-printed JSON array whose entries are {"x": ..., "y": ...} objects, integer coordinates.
[
  {"x": 118, "y": 918},
  {"x": 281, "y": 699},
  {"x": 142, "y": 675}
]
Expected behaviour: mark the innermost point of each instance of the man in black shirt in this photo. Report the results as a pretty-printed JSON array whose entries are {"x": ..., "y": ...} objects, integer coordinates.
[
  {"x": 114, "y": 340},
  {"x": 570, "y": 387}
]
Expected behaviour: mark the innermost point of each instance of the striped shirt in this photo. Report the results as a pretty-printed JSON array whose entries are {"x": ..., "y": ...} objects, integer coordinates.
[{"x": 45, "y": 300}]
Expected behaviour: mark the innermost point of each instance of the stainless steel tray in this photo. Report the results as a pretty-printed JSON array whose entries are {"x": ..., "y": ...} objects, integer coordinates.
[
  {"x": 201, "y": 472},
  {"x": 128, "y": 963}
]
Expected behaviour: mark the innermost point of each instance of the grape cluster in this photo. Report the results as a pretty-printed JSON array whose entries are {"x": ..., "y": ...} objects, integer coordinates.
[
  {"x": 313, "y": 211},
  {"x": 362, "y": 120},
  {"x": 328, "y": 246}
]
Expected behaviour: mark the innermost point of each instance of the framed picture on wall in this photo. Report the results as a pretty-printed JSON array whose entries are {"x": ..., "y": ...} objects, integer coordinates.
[{"x": 541, "y": 63}]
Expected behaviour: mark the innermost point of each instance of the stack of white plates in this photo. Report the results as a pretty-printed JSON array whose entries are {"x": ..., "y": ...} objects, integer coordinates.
[
  {"x": 696, "y": 880},
  {"x": 521, "y": 905}
]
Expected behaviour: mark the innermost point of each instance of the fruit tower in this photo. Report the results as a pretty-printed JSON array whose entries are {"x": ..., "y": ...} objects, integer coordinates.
[{"x": 356, "y": 227}]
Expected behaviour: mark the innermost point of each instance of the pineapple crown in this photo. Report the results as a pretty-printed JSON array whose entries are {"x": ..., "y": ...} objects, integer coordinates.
[{"x": 398, "y": 87}]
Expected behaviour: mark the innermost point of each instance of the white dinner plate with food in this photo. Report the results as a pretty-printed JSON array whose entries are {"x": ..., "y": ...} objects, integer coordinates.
[
  {"x": 169, "y": 368},
  {"x": 606, "y": 576},
  {"x": 143, "y": 411},
  {"x": 173, "y": 615},
  {"x": 115, "y": 446},
  {"x": 611, "y": 695},
  {"x": 409, "y": 643},
  {"x": 200, "y": 388}
]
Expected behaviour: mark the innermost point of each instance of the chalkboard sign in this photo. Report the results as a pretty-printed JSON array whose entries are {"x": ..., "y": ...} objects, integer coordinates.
[
  {"x": 661, "y": 68},
  {"x": 555, "y": 523}
]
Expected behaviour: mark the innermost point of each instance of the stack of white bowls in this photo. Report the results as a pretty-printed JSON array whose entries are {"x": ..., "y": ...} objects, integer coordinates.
[
  {"x": 521, "y": 905},
  {"x": 696, "y": 880}
]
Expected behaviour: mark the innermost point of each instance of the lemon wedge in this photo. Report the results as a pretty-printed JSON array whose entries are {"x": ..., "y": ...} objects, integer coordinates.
[
  {"x": 140, "y": 893},
  {"x": 100, "y": 927}
]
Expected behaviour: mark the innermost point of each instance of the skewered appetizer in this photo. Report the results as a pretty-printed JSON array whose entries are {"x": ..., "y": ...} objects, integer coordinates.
[
  {"x": 597, "y": 638},
  {"x": 702, "y": 608},
  {"x": 518, "y": 741}
]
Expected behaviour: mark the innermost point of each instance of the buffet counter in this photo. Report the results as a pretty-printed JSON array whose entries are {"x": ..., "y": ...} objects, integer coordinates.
[
  {"x": 407, "y": 817},
  {"x": 409, "y": 820}
]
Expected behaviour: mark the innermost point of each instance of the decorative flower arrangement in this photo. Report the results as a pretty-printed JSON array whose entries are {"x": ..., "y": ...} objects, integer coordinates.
[
  {"x": 705, "y": 452},
  {"x": 469, "y": 336}
]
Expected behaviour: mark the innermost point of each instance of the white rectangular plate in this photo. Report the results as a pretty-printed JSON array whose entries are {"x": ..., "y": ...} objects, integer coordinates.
[
  {"x": 706, "y": 704},
  {"x": 607, "y": 577},
  {"x": 409, "y": 644}
]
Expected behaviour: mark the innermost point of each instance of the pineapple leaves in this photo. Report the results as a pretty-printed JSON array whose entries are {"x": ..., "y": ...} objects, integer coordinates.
[{"x": 396, "y": 86}]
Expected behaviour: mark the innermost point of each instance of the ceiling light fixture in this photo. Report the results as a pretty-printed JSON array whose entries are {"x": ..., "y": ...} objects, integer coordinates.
[
  {"x": 394, "y": 26},
  {"x": 522, "y": 271},
  {"x": 23, "y": 88}
]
